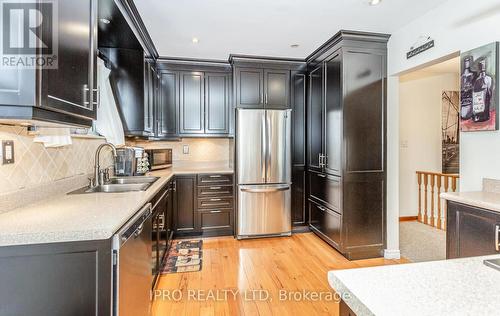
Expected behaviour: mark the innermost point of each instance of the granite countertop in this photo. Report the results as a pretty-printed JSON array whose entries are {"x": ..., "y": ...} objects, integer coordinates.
[
  {"x": 481, "y": 199},
  {"x": 447, "y": 287},
  {"x": 96, "y": 216}
]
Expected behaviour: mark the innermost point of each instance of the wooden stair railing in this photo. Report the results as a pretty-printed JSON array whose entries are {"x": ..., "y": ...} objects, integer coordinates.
[{"x": 434, "y": 182}]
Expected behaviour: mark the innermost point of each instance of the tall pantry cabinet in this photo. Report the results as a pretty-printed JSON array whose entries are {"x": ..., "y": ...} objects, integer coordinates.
[{"x": 347, "y": 143}]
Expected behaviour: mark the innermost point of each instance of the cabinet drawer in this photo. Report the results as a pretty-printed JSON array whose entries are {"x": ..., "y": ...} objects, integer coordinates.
[
  {"x": 215, "y": 190},
  {"x": 216, "y": 219},
  {"x": 210, "y": 179},
  {"x": 326, "y": 189},
  {"x": 325, "y": 222},
  {"x": 215, "y": 202}
]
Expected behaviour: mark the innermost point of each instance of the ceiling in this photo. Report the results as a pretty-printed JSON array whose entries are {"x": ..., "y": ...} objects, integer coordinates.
[{"x": 266, "y": 27}]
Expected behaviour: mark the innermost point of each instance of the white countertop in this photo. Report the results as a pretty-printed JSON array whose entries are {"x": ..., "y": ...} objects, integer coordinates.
[
  {"x": 481, "y": 199},
  {"x": 447, "y": 287},
  {"x": 94, "y": 216}
]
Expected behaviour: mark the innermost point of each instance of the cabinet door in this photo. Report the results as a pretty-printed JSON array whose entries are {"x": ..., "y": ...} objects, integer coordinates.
[
  {"x": 150, "y": 85},
  {"x": 249, "y": 88},
  {"x": 326, "y": 190},
  {"x": 333, "y": 116},
  {"x": 470, "y": 231},
  {"x": 277, "y": 89},
  {"x": 298, "y": 119},
  {"x": 217, "y": 105},
  {"x": 298, "y": 196},
  {"x": 166, "y": 109},
  {"x": 186, "y": 204},
  {"x": 364, "y": 110},
  {"x": 192, "y": 103},
  {"x": 71, "y": 87},
  {"x": 326, "y": 223},
  {"x": 315, "y": 119}
]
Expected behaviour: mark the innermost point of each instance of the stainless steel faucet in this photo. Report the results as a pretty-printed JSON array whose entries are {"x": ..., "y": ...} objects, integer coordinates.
[{"x": 97, "y": 168}]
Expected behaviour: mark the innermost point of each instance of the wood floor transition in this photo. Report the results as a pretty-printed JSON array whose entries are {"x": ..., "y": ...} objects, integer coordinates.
[{"x": 257, "y": 277}]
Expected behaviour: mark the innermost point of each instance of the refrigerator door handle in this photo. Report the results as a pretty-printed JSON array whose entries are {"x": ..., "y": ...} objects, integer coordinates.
[
  {"x": 263, "y": 149},
  {"x": 269, "y": 137},
  {"x": 265, "y": 189}
]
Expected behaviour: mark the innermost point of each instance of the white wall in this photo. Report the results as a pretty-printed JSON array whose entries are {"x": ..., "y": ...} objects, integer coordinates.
[
  {"x": 456, "y": 25},
  {"x": 420, "y": 132}
]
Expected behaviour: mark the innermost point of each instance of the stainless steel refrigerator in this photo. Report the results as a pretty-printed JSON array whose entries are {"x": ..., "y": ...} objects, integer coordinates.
[{"x": 263, "y": 162}]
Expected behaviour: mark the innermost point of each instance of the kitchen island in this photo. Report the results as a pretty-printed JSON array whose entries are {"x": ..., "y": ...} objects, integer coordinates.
[{"x": 448, "y": 287}]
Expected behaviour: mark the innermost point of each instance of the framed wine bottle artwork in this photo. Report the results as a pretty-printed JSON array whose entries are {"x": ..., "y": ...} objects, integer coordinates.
[{"x": 479, "y": 89}]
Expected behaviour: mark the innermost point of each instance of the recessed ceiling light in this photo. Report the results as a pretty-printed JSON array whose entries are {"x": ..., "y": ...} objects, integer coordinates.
[
  {"x": 294, "y": 45},
  {"x": 105, "y": 21},
  {"x": 375, "y": 2},
  {"x": 195, "y": 40}
]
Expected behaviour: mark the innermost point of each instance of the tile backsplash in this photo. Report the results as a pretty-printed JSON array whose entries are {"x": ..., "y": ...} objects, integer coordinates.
[
  {"x": 36, "y": 165},
  {"x": 200, "y": 149}
]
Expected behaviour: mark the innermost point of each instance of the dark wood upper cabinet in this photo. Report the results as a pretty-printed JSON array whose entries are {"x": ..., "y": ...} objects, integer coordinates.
[
  {"x": 471, "y": 231},
  {"x": 167, "y": 104},
  {"x": 66, "y": 94},
  {"x": 333, "y": 116},
  {"x": 150, "y": 97},
  {"x": 259, "y": 88},
  {"x": 192, "y": 103},
  {"x": 315, "y": 119},
  {"x": 277, "y": 89},
  {"x": 299, "y": 118},
  {"x": 195, "y": 103},
  {"x": 217, "y": 106},
  {"x": 249, "y": 88},
  {"x": 72, "y": 87}
]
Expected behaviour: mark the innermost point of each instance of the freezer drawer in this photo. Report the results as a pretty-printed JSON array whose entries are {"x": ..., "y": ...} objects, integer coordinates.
[{"x": 264, "y": 210}]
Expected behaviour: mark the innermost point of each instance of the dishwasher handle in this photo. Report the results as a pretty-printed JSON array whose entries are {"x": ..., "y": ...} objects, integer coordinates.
[{"x": 133, "y": 227}]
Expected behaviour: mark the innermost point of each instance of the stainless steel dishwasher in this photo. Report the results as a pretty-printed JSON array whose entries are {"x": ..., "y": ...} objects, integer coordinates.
[{"x": 132, "y": 266}]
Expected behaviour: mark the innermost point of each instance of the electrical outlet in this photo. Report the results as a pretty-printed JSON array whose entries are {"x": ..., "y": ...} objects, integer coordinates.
[
  {"x": 185, "y": 149},
  {"x": 7, "y": 152}
]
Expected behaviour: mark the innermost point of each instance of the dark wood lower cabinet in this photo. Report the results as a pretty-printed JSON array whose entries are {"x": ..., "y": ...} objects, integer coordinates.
[
  {"x": 326, "y": 223},
  {"x": 299, "y": 214},
  {"x": 471, "y": 231},
  {"x": 185, "y": 213},
  {"x": 205, "y": 205},
  {"x": 73, "y": 278}
]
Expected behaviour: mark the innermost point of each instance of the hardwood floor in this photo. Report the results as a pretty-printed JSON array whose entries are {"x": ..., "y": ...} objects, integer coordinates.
[{"x": 234, "y": 271}]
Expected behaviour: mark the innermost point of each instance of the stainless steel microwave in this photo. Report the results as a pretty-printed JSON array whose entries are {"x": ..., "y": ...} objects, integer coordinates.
[{"x": 159, "y": 158}]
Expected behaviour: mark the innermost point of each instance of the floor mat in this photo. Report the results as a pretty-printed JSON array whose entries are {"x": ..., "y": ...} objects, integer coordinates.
[{"x": 184, "y": 256}]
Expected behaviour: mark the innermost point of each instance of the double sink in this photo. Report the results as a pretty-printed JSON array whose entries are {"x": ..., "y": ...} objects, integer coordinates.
[{"x": 120, "y": 185}]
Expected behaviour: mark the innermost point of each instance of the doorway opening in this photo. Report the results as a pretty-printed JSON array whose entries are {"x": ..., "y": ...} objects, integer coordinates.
[{"x": 429, "y": 156}]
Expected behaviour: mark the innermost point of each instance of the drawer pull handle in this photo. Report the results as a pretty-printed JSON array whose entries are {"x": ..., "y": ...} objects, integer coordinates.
[
  {"x": 217, "y": 176},
  {"x": 321, "y": 208},
  {"x": 214, "y": 212},
  {"x": 215, "y": 200},
  {"x": 215, "y": 188},
  {"x": 497, "y": 232},
  {"x": 321, "y": 175}
]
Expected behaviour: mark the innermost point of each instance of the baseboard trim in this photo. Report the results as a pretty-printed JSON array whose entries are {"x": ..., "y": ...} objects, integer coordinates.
[
  {"x": 392, "y": 254},
  {"x": 408, "y": 218}
]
